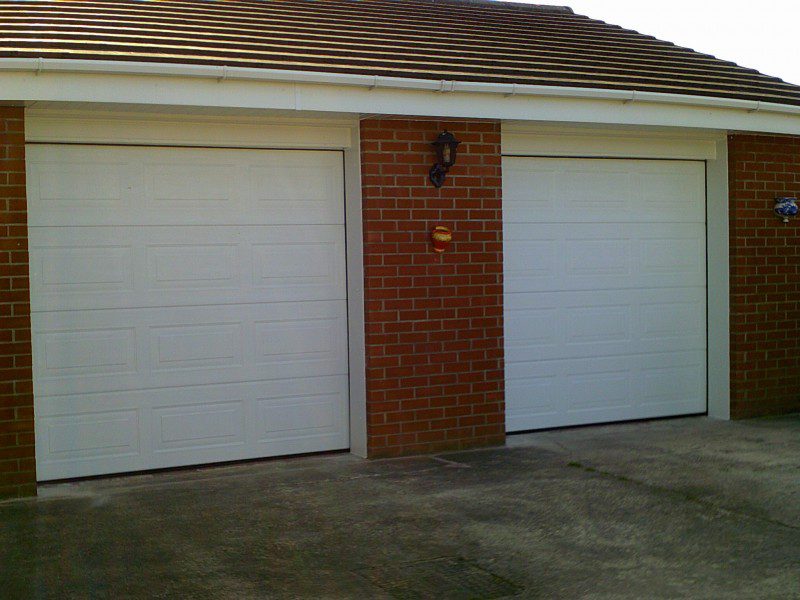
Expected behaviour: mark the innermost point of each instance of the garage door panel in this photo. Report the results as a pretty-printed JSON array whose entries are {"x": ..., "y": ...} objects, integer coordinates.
[
  {"x": 548, "y": 257},
  {"x": 96, "y": 186},
  {"x": 75, "y": 180},
  {"x": 138, "y": 267},
  {"x": 167, "y": 347},
  {"x": 189, "y": 305},
  {"x": 605, "y": 290},
  {"x": 674, "y": 318},
  {"x": 665, "y": 385},
  {"x": 73, "y": 351},
  {"x": 599, "y": 385},
  {"x": 174, "y": 427},
  {"x": 580, "y": 324},
  {"x": 203, "y": 424},
  {"x": 191, "y": 262},
  {"x": 103, "y": 433},
  {"x": 553, "y": 393},
  {"x": 532, "y": 392},
  {"x": 59, "y": 269},
  {"x": 569, "y": 190}
]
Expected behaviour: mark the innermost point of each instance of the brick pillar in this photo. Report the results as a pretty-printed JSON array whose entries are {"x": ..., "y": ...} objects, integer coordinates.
[
  {"x": 17, "y": 462},
  {"x": 434, "y": 322},
  {"x": 765, "y": 276}
]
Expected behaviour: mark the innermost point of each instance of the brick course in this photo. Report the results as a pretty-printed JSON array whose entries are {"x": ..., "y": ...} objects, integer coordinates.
[
  {"x": 17, "y": 463},
  {"x": 765, "y": 276},
  {"x": 434, "y": 322}
]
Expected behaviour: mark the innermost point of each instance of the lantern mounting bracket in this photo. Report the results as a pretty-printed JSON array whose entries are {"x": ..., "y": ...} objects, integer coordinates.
[{"x": 437, "y": 174}]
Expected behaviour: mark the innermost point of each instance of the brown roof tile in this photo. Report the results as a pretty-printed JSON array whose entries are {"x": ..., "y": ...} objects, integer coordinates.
[{"x": 465, "y": 40}]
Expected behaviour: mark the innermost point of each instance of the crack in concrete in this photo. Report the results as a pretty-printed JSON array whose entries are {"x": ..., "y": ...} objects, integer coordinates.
[
  {"x": 452, "y": 463},
  {"x": 682, "y": 495}
]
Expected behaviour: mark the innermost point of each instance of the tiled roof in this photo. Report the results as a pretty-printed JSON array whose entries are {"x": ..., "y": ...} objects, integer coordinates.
[{"x": 459, "y": 40}]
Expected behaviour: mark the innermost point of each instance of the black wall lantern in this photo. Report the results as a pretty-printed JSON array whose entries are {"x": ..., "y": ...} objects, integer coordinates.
[{"x": 445, "y": 145}]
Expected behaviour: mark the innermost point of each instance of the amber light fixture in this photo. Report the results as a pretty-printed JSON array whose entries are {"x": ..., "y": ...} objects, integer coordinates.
[
  {"x": 446, "y": 146},
  {"x": 441, "y": 237}
]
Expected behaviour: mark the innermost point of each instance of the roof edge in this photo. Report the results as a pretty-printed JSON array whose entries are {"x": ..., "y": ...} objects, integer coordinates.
[
  {"x": 524, "y": 6},
  {"x": 38, "y": 66}
]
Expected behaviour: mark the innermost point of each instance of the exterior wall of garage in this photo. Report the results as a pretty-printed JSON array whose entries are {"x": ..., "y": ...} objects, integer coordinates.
[
  {"x": 434, "y": 330},
  {"x": 434, "y": 322},
  {"x": 17, "y": 463},
  {"x": 765, "y": 276}
]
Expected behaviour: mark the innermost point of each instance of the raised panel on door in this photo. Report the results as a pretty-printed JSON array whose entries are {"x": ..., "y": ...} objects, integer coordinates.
[
  {"x": 188, "y": 425},
  {"x": 605, "y": 290},
  {"x": 570, "y": 190},
  {"x": 193, "y": 345},
  {"x": 188, "y": 306},
  {"x": 75, "y": 268},
  {"x": 581, "y": 256},
  {"x": 118, "y": 185}
]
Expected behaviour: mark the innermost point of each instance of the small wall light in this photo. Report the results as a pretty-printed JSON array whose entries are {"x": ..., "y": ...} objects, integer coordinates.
[
  {"x": 785, "y": 208},
  {"x": 445, "y": 145},
  {"x": 441, "y": 237}
]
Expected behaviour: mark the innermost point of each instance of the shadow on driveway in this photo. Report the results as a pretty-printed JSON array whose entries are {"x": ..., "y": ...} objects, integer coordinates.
[{"x": 684, "y": 508}]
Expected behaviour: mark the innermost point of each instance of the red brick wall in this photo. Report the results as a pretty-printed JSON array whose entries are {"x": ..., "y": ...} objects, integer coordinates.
[
  {"x": 765, "y": 276},
  {"x": 17, "y": 466},
  {"x": 434, "y": 322}
]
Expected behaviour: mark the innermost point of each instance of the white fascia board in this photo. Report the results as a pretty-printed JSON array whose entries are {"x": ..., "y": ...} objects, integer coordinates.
[{"x": 64, "y": 80}]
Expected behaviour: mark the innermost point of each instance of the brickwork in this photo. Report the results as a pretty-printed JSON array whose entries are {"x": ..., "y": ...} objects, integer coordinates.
[
  {"x": 17, "y": 466},
  {"x": 434, "y": 328},
  {"x": 765, "y": 276}
]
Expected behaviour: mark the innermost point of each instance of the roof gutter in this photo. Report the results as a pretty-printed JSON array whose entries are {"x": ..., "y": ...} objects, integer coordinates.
[{"x": 225, "y": 73}]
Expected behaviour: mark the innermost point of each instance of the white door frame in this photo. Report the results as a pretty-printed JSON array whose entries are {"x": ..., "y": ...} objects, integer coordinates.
[
  {"x": 192, "y": 130},
  {"x": 532, "y": 139}
]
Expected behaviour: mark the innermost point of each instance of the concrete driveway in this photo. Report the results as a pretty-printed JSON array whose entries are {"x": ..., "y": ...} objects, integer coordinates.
[{"x": 686, "y": 508}]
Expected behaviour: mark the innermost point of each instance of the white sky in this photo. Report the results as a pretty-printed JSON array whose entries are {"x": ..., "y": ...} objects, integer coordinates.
[{"x": 762, "y": 35}]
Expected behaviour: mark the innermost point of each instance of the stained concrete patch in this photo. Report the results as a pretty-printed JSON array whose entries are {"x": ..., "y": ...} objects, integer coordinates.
[
  {"x": 454, "y": 578},
  {"x": 690, "y": 508},
  {"x": 747, "y": 466}
]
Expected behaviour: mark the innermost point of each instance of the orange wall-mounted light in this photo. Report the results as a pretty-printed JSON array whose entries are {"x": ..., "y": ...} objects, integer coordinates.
[{"x": 441, "y": 237}]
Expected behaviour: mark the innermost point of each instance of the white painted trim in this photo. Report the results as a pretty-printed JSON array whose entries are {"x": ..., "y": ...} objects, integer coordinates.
[
  {"x": 718, "y": 281},
  {"x": 522, "y": 140},
  {"x": 660, "y": 145},
  {"x": 223, "y": 73},
  {"x": 169, "y": 86},
  {"x": 54, "y": 126},
  {"x": 312, "y": 134},
  {"x": 355, "y": 297}
]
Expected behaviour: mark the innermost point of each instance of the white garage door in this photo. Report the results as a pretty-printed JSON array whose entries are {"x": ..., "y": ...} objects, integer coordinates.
[
  {"x": 605, "y": 290},
  {"x": 188, "y": 306}
]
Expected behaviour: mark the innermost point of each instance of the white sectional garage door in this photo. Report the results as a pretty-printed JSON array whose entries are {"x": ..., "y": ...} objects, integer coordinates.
[
  {"x": 189, "y": 306},
  {"x": 605, "y": 290}
]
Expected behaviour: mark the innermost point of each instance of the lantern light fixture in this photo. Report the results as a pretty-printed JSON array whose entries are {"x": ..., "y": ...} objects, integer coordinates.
[{"x": 446, "y": 146}]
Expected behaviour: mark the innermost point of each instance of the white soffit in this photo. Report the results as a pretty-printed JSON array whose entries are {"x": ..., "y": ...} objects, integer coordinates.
[{"x": 26, "y": 80}]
